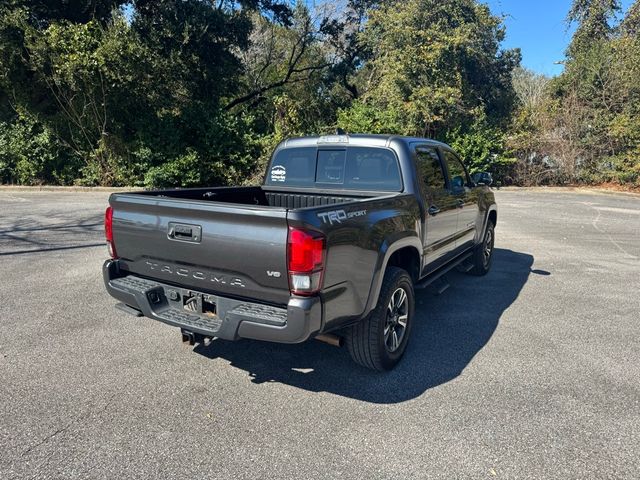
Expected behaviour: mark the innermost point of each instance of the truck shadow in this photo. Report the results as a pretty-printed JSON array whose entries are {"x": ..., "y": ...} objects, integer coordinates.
[
  {"x": 449, "y": 330},
  {"x": 29, "y": 235}
]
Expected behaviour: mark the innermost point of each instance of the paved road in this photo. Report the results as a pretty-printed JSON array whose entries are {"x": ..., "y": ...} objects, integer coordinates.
[{"x": 530, "y": 372}]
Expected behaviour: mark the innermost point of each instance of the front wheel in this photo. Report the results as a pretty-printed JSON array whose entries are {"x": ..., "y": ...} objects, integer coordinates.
[
  {"x": 483, "y": 254},
  {"x": 379, "y": 340}
]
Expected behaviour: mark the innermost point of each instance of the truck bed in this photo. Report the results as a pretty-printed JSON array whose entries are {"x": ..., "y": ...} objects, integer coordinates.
[{"x": 260, "y": 196}]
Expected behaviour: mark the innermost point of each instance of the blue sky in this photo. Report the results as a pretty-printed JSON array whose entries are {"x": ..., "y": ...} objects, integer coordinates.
[{"x": 538, "y": 28}]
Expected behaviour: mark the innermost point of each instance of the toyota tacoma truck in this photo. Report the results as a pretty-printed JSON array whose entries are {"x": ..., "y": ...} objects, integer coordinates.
[{"x": 331, "y": 246}]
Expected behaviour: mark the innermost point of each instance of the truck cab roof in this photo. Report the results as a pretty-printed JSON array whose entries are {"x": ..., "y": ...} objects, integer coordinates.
[{"x": 369, "y": 140}]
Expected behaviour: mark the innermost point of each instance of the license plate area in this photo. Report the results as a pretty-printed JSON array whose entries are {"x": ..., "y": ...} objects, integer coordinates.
[{"x": 200, "y": 303}]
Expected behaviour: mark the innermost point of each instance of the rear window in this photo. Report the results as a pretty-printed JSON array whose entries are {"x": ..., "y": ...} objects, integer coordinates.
[{"x": 352, "y": 168}]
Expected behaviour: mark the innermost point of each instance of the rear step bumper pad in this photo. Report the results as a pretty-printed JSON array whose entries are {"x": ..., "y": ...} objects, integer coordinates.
[{"x": 234, "y": 318}]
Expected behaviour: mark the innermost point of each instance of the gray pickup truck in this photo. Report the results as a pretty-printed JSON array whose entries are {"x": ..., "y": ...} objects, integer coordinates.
[{"x": 331, "y": 246}]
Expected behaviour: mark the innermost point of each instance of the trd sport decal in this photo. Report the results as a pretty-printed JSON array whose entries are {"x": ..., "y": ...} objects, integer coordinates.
[{"x": 338, "y": 216}]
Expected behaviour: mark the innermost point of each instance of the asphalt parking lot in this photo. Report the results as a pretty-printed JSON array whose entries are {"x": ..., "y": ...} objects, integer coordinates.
[{"x": 530, "y": 372}]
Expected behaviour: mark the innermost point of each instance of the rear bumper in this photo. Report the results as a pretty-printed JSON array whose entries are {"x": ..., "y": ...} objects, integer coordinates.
[{"x": 234, "y": 318}]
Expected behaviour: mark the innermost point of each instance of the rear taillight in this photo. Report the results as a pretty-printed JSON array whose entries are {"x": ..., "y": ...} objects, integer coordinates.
[
  {"x": 306, "y": 251},
  {"x": 108, "y": 232}
]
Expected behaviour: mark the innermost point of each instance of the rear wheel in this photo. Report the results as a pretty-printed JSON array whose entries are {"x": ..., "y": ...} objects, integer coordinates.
[
  {"x": 483, "y": 254},
  {"x": 379, "y": 340}
]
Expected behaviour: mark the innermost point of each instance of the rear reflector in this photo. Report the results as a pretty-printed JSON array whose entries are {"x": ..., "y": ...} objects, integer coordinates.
[
  {"x": 306, "y": 252},
  {"x": 108, "y": 232}
]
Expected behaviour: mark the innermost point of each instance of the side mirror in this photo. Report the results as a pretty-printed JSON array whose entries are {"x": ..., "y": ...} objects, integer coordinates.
[{"x": 483, "y": 178}]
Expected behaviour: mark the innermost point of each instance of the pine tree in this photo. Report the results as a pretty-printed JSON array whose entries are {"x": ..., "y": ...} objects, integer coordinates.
[
  {"x": 592, "y": 17},
  {"x": 631, "y": 24}
]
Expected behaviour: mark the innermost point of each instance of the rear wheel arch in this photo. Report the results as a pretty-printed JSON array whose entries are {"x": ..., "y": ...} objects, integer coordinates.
[
  {"x": 408, "y": 259},
  {"x": 493, "y": 217},
  {"x": 400, "y": 254}
]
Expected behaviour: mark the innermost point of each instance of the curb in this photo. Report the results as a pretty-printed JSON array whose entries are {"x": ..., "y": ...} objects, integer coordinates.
[
  {"x": 50, "y": 188},
  {"x": 603, "y": 191}
]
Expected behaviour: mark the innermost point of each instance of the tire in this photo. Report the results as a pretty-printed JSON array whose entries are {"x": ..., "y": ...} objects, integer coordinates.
[
  {"x": 366, "y": 341},
  {"x": 483, "y": 254}
]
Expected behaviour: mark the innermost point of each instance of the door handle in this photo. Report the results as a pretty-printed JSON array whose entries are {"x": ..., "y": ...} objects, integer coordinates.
[
  {"x": 433, "y": 210},
  {"x": 460, "y": 203}
]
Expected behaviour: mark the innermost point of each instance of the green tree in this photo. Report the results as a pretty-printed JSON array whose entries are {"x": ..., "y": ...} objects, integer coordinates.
[
  {"x": 165, "y": 93},
  {"x": 128, "y": 95},
  {"x": 436, "y": 69},
  {"x": 31, "y": 155},
  {"x": 527, "y": 137},
  {"x": 344, "y": 31},
  {"x": 587, "y": 130},
  {"x": 436, "y": 66},
  {"x": 630, "y": 25},
  {"x": 593, "y": 18}
]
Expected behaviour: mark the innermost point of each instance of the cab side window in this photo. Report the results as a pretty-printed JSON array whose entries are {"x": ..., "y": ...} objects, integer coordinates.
[
  {"x": 457, "y": 173},
  {"x": 429, "y": 168}
]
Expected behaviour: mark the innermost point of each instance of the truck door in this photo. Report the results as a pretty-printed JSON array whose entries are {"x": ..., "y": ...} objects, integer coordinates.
[
  {"x": 466, "y": 198},
  {"x": 440, "y": 208}
]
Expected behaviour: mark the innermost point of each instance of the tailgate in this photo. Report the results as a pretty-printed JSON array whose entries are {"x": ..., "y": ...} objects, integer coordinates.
[{"x": 236, "y": 250}]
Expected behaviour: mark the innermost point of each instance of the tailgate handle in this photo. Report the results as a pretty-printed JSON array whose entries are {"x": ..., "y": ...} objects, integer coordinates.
[{"x": 184, "y": 232}]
